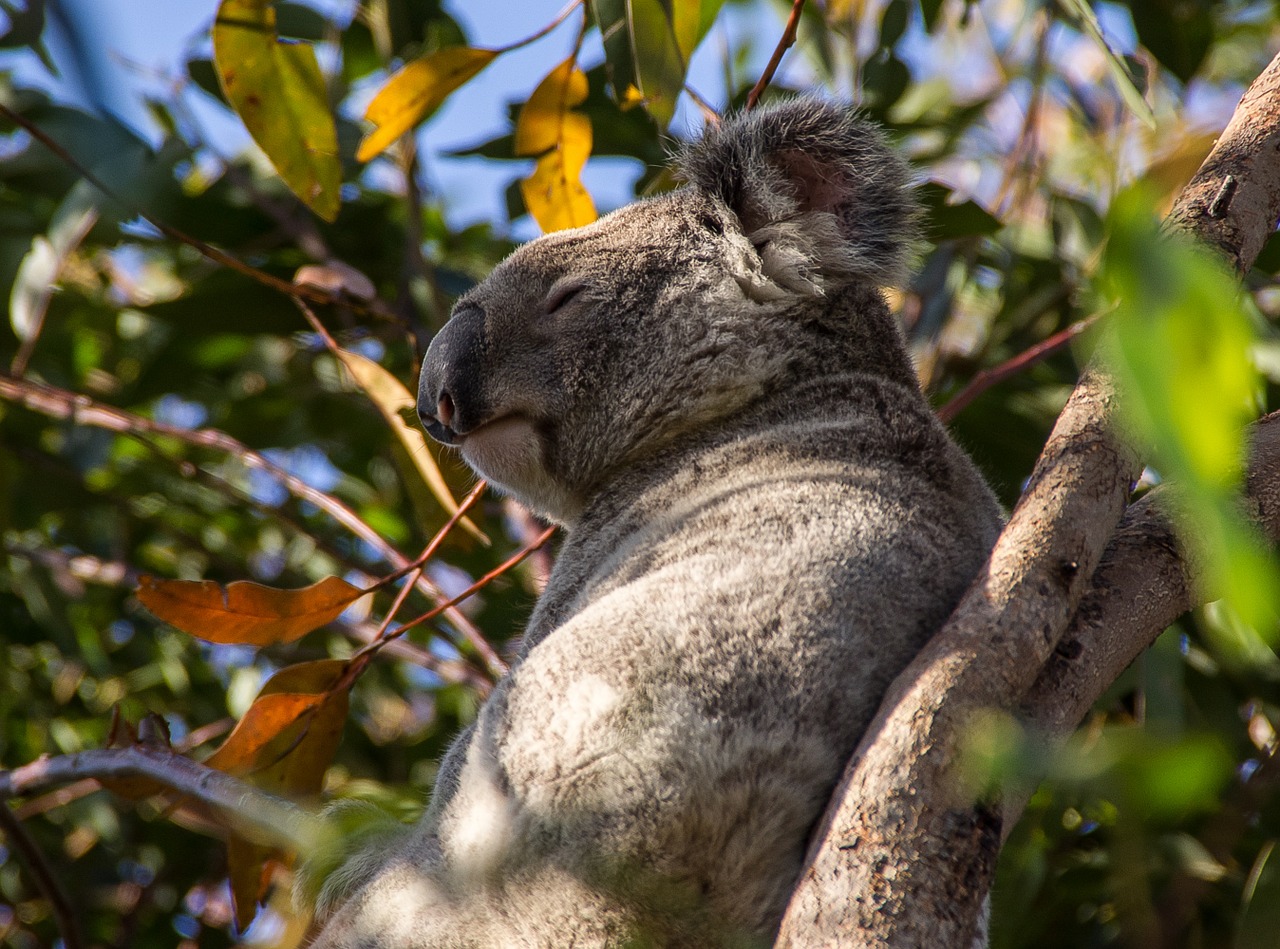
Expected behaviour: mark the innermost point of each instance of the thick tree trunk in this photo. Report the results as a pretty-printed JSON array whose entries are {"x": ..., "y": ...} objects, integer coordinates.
[{"x": 903, "y": 857}]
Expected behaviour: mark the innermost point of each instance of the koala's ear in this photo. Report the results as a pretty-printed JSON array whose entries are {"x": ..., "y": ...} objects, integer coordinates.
[{"x": 815, "y": 179}]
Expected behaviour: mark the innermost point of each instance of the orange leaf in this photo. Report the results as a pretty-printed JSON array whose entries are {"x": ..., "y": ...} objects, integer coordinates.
[
  {"x": 287, "y": 738},
  {"x": 249, "y": 870},
  {"x": 548, "y": 127},
  {"x": 245, "y": 612},
  {"x": 283, "y": 744}
]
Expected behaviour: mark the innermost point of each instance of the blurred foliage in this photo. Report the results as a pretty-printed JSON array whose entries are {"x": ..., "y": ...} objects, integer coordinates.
[{"x": 153, "y": 401}]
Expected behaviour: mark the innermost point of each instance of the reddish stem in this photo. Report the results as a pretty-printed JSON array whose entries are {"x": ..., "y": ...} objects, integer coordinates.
[
  {"x": 788, "y": 39},
  {"x": 987, "y": 378}
]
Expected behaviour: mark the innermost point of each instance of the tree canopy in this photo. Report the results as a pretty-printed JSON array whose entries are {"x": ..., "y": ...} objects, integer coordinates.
[{"x": 226, "y": 537}]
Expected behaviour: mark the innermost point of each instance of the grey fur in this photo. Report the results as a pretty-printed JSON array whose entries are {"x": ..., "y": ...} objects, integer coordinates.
[{"x": 766, "y": 522}]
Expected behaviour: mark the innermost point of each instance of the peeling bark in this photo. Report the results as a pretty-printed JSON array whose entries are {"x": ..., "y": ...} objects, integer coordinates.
[{"x": 902, "y": 857}]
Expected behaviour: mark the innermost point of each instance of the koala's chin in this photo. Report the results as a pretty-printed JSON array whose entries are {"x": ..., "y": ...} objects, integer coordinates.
[{"x": 508, "y": 453}]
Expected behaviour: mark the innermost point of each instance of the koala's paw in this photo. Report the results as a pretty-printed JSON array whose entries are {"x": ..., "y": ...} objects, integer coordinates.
[{"x": 359, "y": 836}]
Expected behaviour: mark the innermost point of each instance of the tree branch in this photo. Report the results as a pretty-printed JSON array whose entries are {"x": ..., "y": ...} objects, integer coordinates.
[
  {"x": 1142, "y": 585},
  {"x": 1233, "y": 200},
  {"x": 252, "y": 813},
  {"x": 896, "y": 806},
  {"x": 901, "y": 858}
]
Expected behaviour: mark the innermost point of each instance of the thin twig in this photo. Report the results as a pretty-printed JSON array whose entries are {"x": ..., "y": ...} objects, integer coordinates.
[
  {"x": 987, "y": 378},
  {"x": 416, "y": 565},
  {"x": 300, "y": 228},
  {"x": 457, "y": 671},
  {"x": 45, "y": 879},
  {"x": 709, "y": 113},
  {"x": 415, "y": 260},
  {"x": 75, "y": 565},
  {"x": 785, "y": 43},
  {"x": 80, "y": 409},
  {"x": 1025, "y": 149},
  {"x": 295, "y": 291},
  {"x": 479, "y": 584},
  {"x": 559, "y": 18},
  {"x": 479, "y": 643},
  {"x": 73, "y": 792},
  {"x": 60, "y": 403}
]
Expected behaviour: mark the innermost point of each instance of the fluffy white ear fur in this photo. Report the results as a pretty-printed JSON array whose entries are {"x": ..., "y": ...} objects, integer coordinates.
[{"x": 816, "y": 191}]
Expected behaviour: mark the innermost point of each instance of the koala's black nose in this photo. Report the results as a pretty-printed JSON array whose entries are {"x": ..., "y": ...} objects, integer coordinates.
[{"x": 451, "y": 399}]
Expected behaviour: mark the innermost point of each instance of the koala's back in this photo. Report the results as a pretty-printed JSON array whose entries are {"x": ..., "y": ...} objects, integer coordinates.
[{"x": 765, "y": 524}]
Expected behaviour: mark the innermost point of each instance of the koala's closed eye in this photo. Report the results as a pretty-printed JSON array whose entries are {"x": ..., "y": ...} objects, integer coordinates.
[
  {"x": 562, "y": 294},
  {"x": 712, "y": 224}
]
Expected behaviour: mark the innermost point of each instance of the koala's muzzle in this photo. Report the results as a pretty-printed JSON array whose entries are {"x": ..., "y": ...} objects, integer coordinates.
[{"x": 451, "y": 399}]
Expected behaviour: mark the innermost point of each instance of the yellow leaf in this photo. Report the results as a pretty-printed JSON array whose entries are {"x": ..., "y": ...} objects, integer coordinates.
[
  {"x": 391, "y": 398},
  {"x": 548, "y": 127},
  {"x": 631, "y": 98},
  {"x": 245, "y": 612},
  {"x": 416, "y": 91},
  {"x": 284, "y": 744},
  {"x": 278, "y": 92}
]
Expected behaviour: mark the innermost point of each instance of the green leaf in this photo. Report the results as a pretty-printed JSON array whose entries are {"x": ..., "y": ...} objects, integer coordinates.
[
  {"x": 277, "y": 90},
  {"x": 25, "y": 29},
  {"x": 1259, "y": 918},
  {"x": 1115, "y": 65},
  {"x": 894, "y": 23},
  {"x": 38, "y": 273},
  {"x": 947, "y": 221},
  {"x": 884, "y": 80},
  {"x": 690, "y": 22},
  {"x": 645, "y": 61},
  {"x": 1179, "y": 33},
  {"x": 929, "y": 10},
  {"x": 1179, "y": 343}
]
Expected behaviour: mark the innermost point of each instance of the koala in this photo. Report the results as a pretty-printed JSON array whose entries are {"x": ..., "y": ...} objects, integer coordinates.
[{"x": 764, "y": 524}]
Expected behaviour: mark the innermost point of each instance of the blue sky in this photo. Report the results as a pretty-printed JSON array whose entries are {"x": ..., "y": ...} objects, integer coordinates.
[{"x": 141, "y": 45}]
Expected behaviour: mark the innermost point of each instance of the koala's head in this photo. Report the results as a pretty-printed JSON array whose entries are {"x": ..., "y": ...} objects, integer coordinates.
[{"x": 591, "y": 349}]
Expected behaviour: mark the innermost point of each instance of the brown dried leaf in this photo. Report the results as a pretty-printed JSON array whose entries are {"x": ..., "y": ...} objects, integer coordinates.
[
  {"x": 246, "y": 612},
  {"x": 283, "y": 744},
  {"x": 392, "y": 399}
]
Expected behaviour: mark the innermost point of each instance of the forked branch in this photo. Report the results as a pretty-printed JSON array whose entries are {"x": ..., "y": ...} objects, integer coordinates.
[{"x": 901, "y": 858}]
